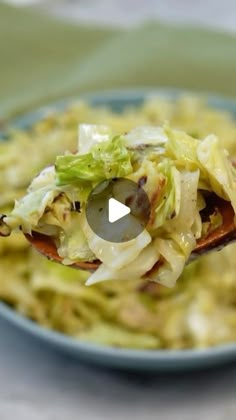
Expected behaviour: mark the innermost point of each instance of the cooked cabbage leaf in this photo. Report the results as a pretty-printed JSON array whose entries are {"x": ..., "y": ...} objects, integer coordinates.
[
  {"x": 106, "y": 160},
  {"x": 173, "y": 168},
  {"x": 197, "y": 313}
]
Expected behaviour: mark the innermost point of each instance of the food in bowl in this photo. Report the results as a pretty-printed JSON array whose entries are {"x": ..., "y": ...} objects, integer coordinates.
[
  {"x": 200, "y": 311},
  {"x": 173, "y": 177}
]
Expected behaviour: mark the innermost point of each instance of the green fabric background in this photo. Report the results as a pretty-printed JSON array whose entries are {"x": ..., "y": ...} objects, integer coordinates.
[{"x": 42, "y": 58}]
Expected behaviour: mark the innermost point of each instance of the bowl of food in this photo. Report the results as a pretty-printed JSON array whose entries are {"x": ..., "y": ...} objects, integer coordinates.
[{"x": 133, "y": 323}]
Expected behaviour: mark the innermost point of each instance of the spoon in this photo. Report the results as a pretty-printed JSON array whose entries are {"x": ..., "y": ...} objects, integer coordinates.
[{"x": 215, "y": 240}]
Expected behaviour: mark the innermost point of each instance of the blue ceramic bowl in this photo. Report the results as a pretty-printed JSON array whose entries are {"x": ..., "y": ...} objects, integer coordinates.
[{"x": 137, "y": 360}]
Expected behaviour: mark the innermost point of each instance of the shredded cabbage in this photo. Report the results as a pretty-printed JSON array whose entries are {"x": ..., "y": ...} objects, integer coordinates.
[
  {"x": 178, "y": 169},
  {"x": 200, "y": 311}
]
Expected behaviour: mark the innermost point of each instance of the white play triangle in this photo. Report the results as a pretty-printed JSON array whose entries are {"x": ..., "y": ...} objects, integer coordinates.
[{"x": 116, "y": 210}]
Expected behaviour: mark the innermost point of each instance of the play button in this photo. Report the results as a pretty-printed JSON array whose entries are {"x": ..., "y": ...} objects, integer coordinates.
[{"x": 118, "y": 210}]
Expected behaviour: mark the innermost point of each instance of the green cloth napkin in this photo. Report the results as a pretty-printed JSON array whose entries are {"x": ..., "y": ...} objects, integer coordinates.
[{"x": 42, "y": 58}]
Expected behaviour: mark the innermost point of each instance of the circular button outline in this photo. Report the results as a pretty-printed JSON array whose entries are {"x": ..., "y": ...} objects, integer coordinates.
[{"x": 130, "y": 194}]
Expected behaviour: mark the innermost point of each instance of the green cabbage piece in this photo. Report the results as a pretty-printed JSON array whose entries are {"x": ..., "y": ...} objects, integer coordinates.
[
  {"x": 169, "y": 199},
  {"x": 219, "y": 169},
  {"x": 106, "y": 160},
  {"x": 73, "y": 244}
]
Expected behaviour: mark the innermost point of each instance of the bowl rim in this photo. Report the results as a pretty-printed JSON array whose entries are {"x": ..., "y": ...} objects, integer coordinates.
[
  {"x": 129, "y": 93},
  {"x": 89, "y": 348}
]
